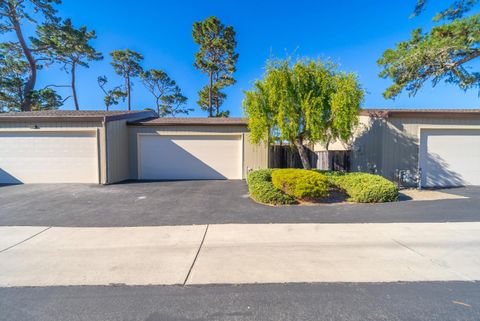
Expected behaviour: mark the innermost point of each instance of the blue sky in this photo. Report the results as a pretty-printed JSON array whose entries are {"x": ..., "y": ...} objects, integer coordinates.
[{"x": 352, "y": 33}]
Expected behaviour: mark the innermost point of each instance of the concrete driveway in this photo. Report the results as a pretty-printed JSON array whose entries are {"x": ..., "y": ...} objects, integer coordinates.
[{"x": 203, "y": 202}]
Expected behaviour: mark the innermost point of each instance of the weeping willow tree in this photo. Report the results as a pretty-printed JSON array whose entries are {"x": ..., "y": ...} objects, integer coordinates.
[{"x": 306, "y": 101}]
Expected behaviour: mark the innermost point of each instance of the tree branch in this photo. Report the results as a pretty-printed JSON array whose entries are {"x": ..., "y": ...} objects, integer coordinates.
[
  {"x": 63, "y": 101},
  {"x": 56, "y": 86}
]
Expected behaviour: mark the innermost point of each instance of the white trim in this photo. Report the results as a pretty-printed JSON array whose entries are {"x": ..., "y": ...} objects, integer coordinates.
[{"x": 446, "y": 126}]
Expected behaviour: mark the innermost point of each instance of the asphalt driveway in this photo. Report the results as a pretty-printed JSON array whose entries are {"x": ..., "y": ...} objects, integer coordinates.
[{"x": 203, "y": 202}]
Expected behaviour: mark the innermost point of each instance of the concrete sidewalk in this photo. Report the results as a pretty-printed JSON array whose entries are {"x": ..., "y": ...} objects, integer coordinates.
[{"x": 235, "y": 254}]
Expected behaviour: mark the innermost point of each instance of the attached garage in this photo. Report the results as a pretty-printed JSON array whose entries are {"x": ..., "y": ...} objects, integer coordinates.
[
  {"x": 49, "y": 157},
  {"x": 61, "y": 146},
  {"x": 449, "y": 157},
  {"x": 193, "y": 148},
  {"x": 171, "y": 157}
]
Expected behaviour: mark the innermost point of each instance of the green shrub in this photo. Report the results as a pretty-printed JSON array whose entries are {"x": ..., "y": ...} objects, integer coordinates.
[
  {"x": 300, "y": 183},
  {"x": 261, "y": 189},
  {"x": 364, "y": 187}
]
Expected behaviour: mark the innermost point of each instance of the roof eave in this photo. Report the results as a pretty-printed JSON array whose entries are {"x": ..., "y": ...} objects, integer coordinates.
[{"x": 144, "y": 114}]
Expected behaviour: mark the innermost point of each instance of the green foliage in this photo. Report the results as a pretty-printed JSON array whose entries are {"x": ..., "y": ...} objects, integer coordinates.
[
  {"x": 307, "y": 101},
  {"x": 12, "y": 11},
  {"x": 442, "y": 54},
  {"x": 168, "y": 96},
  {"x": 70, "y": 47},
  {"x": 13, "y": 71},
  {"x": 13, "y": 15},
  {"x": 455, "y": 11},
  {"x": 14, "y": 74},
  {"x": 218, "y": 97},
  {"x": 65, "y": 44},
  {"x": 300, "y": 183},
  {"x": 112, "y": 96},
  {"x": 364, "y": 187},
  {"x": 217, "y": 58},
  {"x": 127, "y": 64},
  {"x": 261, "y": 189},
  {"x": 45, "y": 99}
]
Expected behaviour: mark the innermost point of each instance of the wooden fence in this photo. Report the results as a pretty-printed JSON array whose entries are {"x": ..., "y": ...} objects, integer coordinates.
[
  {"x": 334, "y": 160},
  {"x": 282, "y": 156}
]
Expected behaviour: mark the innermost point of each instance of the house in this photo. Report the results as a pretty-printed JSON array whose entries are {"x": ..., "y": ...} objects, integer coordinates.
[
  {"x": 112, "y": 146},
  {"x": 437, "y": 147}
]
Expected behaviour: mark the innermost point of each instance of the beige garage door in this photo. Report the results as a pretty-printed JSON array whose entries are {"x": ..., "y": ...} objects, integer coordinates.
[
  {"x": 190, "y": 157},
  {"x": 48, "y": 157},
  {"x": 450, "y": 157}
]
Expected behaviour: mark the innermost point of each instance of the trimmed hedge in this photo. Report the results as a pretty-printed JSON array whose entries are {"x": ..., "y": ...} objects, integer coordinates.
[
  {"x": 261, "y": 189},
  {"x": 364, "y": 187},
  {"x": 301, "y": 183}
]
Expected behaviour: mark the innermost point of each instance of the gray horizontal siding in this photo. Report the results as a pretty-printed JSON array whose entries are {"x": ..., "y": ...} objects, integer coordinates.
[{"x": 391, "y": 145}]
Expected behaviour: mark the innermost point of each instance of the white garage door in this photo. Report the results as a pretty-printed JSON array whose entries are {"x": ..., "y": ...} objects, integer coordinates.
[
  {"x": 450, "y": 157},
  {"x": 190, "y": 157},
  {"x": 48, "y": 157}
]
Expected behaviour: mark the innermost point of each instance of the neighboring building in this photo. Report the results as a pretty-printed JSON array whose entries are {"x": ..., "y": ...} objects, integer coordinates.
[
  {"x": 109, "y": 147},
  {"x": 437, "y": 147}
]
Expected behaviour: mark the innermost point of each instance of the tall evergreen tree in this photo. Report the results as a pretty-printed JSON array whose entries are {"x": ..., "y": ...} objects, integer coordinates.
[
  {"x": 127, "y": 63},
  {"x": 169, "y": 99},
  {"x": 217, "y": 58},
  {"x": 65, "y": 44}
]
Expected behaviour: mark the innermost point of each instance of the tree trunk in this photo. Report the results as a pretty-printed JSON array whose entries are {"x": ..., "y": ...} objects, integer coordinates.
[
  {"x": 32, "y": 77},
  {"x": 74, "y": 89},
  {"x": 128, "y": 94},
  {"x": 303, "y": 154},
  {"x": 210, "y": 88}
]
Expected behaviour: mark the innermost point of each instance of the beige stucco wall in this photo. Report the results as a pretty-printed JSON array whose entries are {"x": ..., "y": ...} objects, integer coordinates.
[
  {"x": 94, "y": 126},
  {"x": 364, "y": 124},
  {"x": 390, "y": 145},
  {"x": 254, "y": 156}
]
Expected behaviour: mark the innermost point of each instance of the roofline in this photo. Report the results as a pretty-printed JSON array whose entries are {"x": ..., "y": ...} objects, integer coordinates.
[
  {"x": 148, "y": 122},
  {"x": 386, "y": 113},
  {"x": 106, "y": 119}
]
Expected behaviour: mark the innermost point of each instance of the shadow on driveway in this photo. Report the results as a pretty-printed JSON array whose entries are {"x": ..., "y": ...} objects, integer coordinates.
[{"x": 203, "y": 202}]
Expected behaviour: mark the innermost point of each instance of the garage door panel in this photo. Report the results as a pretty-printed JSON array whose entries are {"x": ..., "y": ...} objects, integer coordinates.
[
  {"x": 48, "y": 157},
  {"x": 450, "y": 157},
  {"x": 190, "y": 157}
]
